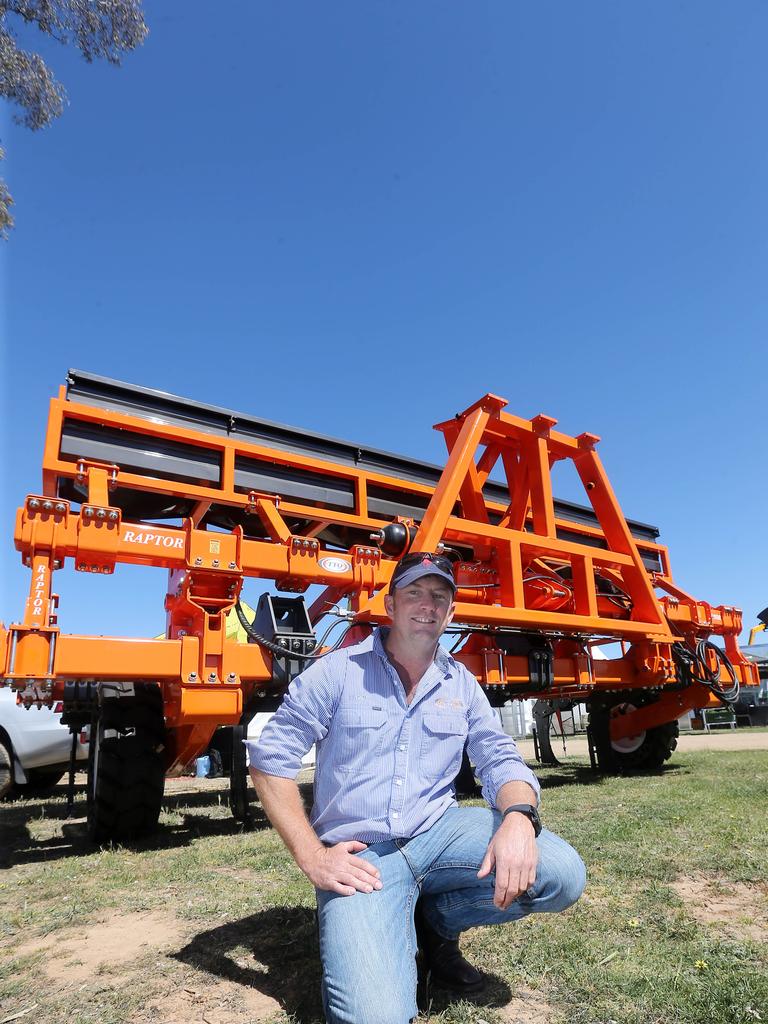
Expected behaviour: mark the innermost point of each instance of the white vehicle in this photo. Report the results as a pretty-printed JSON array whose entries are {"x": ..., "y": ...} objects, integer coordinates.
[
  {"x": 34, "y": 747},
  {"x": 255, "y": 727}
]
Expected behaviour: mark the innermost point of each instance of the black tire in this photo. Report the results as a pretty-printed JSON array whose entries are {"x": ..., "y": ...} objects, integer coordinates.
[
  {"x": 647, "y": 751},
  {"x": 6, "y": 769},
  {"x": 126, "y": 772},
  {"x": 221, "y": 747},
  {"x": 238, "y": 777}
]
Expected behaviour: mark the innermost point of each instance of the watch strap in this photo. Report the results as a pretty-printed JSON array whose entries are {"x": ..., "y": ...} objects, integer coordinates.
[{"x": 528, "y": 810}]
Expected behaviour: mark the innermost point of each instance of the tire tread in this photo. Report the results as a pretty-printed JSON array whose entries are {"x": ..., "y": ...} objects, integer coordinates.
[{"x": 126, "y": 797}]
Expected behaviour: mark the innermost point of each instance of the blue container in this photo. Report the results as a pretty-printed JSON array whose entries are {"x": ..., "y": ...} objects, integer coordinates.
[{"x": 202, "y": 767}]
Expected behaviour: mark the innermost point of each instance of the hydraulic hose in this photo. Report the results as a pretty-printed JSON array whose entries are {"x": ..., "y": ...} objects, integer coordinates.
[
  {"x": 731, "y": 695},
  {"x": 694, "y": 666},
  {"x": 276, "y": 648}
]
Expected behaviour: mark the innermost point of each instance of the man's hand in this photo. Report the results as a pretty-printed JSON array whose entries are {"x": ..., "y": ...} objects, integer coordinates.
[
  {"x": 337, "y": 869},
  {"x": 333, "y": 868},
  {"x": 514, "y": 855}
]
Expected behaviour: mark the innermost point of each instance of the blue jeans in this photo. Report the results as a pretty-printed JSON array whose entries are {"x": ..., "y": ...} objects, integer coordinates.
[{"x": 368, "y": 941}]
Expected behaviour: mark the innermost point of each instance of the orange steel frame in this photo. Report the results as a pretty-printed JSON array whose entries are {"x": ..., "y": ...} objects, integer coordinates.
[{"x": 513, "y": 582}]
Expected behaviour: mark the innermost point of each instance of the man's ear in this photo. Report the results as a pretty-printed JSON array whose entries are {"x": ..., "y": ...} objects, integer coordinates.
[{"x": 389, "y": 603}]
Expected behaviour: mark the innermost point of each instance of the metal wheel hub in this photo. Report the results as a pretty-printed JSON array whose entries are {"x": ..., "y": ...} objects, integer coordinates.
[{"x": 628, "y": 744}]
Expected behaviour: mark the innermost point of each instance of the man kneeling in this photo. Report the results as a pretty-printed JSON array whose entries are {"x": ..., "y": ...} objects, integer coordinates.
[{"x": 394, "y": 860}]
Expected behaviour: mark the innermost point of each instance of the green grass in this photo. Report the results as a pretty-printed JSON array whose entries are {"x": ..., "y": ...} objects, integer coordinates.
[{"x": 631, "y": 952}]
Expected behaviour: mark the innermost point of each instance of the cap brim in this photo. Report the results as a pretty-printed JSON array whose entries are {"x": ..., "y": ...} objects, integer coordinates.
[{"x": 416, "y": 572}]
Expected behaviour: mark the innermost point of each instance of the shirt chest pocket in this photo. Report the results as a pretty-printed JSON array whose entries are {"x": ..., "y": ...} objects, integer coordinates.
[
  {"x": 442, "y": 745},
  {"x": 358, "y": 739}
]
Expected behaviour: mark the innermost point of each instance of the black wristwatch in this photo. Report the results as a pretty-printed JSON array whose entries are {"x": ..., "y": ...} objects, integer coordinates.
[{"x": 530, "y": 812}]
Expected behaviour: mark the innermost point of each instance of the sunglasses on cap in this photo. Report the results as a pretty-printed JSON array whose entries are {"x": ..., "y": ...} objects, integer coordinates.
[{"x": 443, "y": 566}]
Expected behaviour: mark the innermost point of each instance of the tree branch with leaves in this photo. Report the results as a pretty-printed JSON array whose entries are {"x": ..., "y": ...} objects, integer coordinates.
[{"x": 104, "y": 29}]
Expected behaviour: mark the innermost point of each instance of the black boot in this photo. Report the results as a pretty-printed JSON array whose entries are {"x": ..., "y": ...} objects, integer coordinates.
[{"x": 443, "y": 960}]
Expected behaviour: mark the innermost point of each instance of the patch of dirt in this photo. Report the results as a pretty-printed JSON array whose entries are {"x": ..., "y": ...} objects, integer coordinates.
[
  {"x": 111, "y": 944},
  {"x": 740, "y": 909},
  {"x": 220, "y": 1002},
  {"x": 191, "y": 784},
  {"x": 528, "y": 1007},
  {"x": 107, "y": 951}
]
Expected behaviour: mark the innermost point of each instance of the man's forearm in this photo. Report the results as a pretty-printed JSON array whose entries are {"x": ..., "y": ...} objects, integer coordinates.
[
  {"x": 515, "y": 793},
  {"x": 283, "y": 805}
]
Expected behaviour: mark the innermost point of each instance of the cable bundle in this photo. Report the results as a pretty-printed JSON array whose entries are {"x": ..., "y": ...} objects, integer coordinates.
[{"x": 694, "y": 667}]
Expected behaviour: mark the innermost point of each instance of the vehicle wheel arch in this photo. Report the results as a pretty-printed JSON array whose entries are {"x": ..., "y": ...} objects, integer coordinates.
[{"x": 8, "y": 763}]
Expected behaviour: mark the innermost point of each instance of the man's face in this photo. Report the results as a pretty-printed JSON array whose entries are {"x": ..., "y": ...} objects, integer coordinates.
[{"x": 421, "y": 610}]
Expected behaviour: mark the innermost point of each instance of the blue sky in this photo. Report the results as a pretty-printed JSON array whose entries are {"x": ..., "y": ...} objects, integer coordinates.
[{"x": 359, "y": 217}]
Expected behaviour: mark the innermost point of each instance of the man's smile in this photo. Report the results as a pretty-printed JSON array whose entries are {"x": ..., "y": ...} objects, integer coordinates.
[{"x": 420, "y": 611}]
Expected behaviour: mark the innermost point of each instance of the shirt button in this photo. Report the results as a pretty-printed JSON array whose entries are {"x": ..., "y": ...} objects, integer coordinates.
[
  {"x": 395, "y": 814},
  {"x": 401, "y": 747},
  {"x": 398, "y": 782}
]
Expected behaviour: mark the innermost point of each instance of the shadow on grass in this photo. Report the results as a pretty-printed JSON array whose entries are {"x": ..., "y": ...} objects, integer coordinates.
[
  {"x": 559, "y": 775},
  {"x": 555, "y": 776},
  {"x": 286, "y": 964},
  {"x": 19, "y": 846}
]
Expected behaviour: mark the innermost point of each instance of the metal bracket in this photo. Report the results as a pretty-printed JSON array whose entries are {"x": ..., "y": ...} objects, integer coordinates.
[
  {"x": 254, "y": 497},
  {"x": 541, "y": 668},
  {"x": 84, "y": 466},
  {"x": 98, "y": 538},
  {"x": 493, "y": 664},
  {"x": 299, "y": 549},
  {"x": 41, "y": 527}
]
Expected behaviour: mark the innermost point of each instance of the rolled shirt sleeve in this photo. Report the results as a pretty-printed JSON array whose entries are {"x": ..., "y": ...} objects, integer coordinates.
[
  {"x": 302, "y": 719},
  {"x": 493, "y": 753},
  {"x": 385, "y": 766}
]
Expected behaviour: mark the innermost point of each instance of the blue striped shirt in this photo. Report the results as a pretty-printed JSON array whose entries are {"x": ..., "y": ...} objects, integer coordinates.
[{"x": 385, "y": 768}]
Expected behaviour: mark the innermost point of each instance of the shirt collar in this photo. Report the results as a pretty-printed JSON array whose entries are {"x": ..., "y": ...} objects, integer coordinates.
[{"x": 443, "y": 659}]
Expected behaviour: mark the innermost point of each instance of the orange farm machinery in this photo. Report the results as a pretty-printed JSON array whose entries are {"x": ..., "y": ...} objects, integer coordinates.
[{"x": 215, "y": 497}]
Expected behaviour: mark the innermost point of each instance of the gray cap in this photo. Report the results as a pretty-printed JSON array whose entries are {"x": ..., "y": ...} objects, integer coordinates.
[{"x": 426, "y": 567}]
